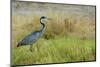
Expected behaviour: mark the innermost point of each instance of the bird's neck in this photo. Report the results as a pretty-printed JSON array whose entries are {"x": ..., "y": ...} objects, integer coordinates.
[{"x": 43, "y": 27}]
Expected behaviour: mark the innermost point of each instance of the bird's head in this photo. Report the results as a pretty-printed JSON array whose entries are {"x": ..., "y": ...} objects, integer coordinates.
[{"x": 44, "y": 19}]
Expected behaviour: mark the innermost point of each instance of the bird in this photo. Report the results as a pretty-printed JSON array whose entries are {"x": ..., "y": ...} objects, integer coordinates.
[{"x": 31, "y": 38}]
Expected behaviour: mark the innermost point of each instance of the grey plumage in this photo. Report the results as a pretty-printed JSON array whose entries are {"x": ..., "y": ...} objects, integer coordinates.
[{"x": 32, "y": 37}]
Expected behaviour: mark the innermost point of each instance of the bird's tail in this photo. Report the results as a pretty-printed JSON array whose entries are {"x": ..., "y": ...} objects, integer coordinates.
[{"x": 18, "y": 44}]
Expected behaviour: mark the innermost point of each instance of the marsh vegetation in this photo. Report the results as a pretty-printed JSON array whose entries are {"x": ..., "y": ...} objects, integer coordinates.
[{"x": 69, "y": 35}]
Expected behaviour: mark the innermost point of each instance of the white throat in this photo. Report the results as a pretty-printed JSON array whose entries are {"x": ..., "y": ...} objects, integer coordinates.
[{"x": 43, "y": 20}]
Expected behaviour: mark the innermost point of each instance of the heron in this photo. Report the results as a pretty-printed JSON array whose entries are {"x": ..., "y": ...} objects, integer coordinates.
[{"x": 31, "y": 38}]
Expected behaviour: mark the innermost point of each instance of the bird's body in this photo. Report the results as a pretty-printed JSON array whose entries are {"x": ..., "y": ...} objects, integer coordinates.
[
  {"x": 29, "y": 39},
  {"x": 32, "y": 37}
]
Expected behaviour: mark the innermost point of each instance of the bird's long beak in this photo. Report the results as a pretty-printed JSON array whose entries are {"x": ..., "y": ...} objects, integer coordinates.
[{"x": 49, "y": 18}]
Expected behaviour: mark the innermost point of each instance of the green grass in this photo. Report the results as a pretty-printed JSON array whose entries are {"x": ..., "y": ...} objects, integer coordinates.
[{"x": 58, "y": 50}]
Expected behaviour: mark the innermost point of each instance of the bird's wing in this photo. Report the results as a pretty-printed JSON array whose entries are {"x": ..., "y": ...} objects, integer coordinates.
[{"x": 31, "y": 38}]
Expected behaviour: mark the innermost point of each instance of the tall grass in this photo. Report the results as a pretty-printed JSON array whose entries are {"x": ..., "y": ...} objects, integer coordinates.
[
  {"x": 58, "y": 50},
  {"x": 66, "y": 42}
]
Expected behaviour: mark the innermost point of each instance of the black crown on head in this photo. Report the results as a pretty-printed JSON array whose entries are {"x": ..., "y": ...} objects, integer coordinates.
[{"x": 43, "y": 17}]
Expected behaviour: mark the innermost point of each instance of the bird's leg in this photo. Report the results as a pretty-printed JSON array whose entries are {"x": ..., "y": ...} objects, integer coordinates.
[
  {"x": 37, "y": 47},
  {"x": 31, "y": 47}
]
